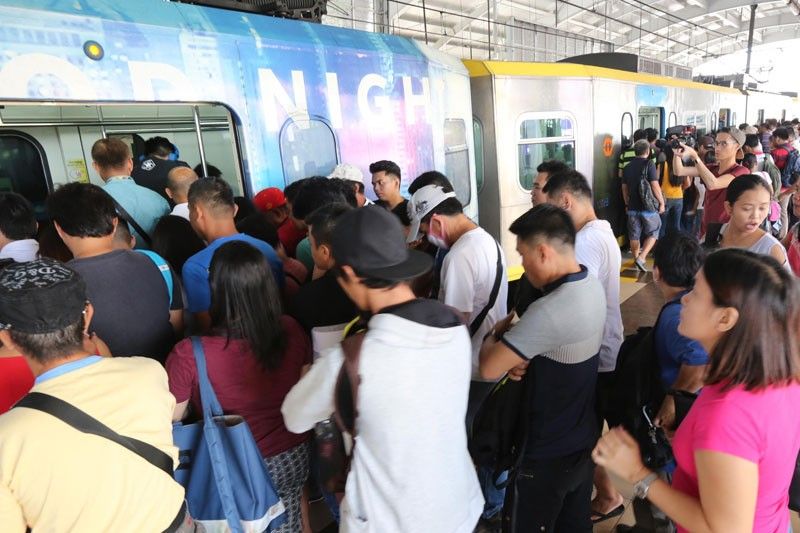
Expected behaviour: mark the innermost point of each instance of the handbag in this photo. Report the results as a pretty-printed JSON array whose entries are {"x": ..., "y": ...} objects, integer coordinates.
[{"x": 228, "y": 486}]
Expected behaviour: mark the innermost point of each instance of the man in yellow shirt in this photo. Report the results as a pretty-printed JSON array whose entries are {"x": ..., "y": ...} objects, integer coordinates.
[{"x": 53, "y": 476}]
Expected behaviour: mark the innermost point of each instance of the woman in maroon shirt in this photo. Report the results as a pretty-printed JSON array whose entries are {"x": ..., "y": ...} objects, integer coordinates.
[
  {"x": 716, "y": 178},
  {"x": 254, "y": 356}
]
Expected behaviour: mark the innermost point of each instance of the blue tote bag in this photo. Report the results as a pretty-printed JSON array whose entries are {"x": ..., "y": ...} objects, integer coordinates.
[{"x": 228, "y": 487}]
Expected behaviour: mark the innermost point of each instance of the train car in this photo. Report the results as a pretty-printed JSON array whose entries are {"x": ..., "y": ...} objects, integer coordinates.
[
  {"x": 526, "y": 113},
  {"x": 266, "y": 100}
]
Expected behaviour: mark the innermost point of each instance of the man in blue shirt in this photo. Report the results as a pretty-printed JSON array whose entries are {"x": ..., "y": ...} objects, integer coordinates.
[
  {"x": 682, "y": 361},
  {"x": 112, "y": 160},
  {"x": 211, "y": 213}
]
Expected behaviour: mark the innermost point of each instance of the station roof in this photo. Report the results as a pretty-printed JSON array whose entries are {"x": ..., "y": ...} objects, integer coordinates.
[{"x": 681, "y": 32}]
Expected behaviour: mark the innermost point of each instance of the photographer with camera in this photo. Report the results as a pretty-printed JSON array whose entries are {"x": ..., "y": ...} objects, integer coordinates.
[{"x": 716, "y": 177}]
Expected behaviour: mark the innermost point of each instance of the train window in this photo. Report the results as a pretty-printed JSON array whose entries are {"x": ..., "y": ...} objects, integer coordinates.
[
  {"x": 23, "y": 169},
  {"x": 308, "y": 148},
  {"x": 698, "y": 120},
  {"x": 760, "y": 118},
  {"x": 733, "y": 118},
  {"x": 543, "y": 137},
  {"x": 626, "y": 128},
  {"x": 477, "y": 135},
  {"x": 456, "y": 158},
  {"x": 714, "y": 124},
  {"x": 672, "y": 120}
]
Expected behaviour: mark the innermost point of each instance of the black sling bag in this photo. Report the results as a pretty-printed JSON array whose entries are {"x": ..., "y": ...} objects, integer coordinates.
[
  {"x": 476, "y": 324},
  {"x": 130, "y": 220}
]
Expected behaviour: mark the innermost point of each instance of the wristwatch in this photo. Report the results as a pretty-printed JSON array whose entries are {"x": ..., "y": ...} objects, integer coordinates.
[{"x": 641, "y": 488}]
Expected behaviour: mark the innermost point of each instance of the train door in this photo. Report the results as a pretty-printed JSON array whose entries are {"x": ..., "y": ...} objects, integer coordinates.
[
  {"x": 651, "y": 117},
  {"x": 24, "y": 168},
  {"x": 477, "y": 139},
  {"x": 43, "y": 146},
  {"x": 456, "y": 158}
]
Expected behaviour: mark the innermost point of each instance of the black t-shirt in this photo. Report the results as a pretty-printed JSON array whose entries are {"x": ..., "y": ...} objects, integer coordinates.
[
  {"x": 152, "y": 173},
  {"x": 131, "y": 303},
  {"x": 400, "y": 211},
  {"x": 631, "y": 177},
  {"x": 322, "y": 303}
]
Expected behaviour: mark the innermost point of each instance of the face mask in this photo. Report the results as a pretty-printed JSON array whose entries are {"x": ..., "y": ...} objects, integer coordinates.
[{"x": 437, "y": 242}]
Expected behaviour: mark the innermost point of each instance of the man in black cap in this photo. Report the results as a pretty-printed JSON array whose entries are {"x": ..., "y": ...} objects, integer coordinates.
[
  {"x": 152, "y": 172},
  {"x": 411, "y": 466},
  {"x": 52, "y": 475}
]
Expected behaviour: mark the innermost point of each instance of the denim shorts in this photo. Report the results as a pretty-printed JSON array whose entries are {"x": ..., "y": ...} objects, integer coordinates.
[{"x": 643, "y": 224}]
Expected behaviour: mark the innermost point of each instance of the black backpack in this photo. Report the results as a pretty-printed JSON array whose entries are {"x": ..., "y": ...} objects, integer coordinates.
[
  {"x": 637, "y": 395},
  {"x": 500, "y": 428}
]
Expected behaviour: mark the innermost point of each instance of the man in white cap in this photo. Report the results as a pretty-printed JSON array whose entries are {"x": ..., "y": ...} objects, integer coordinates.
[
  {"x": 352, "y": 173},
  {"x": 473, "y": 281}
]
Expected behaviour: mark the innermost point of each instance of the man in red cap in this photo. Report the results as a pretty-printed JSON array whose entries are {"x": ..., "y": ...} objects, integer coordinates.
[{"x": 272, "y": 203}]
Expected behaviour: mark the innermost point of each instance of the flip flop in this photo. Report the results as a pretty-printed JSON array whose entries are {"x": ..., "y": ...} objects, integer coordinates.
[{"x": 611, "y": 514}]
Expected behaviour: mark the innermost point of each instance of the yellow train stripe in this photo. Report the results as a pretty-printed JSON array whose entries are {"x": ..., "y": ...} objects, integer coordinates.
[
  {"x": 514, "y": 273},
  {"x": 518, "y": 68}
]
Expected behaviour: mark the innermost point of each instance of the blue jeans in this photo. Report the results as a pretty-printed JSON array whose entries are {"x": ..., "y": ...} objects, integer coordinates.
[
  {"x": 691, "y": 223},
  {"x": 671, "y": 218},
  {"x": 494, "y": 497}
]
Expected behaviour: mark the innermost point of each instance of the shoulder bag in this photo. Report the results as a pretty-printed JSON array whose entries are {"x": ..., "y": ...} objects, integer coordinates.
[
  {"x": 81, "y": 421},
  {"x": 228, "y": 486},
  {"x": 124, "y": 215},
  {"x": 475, "y": 325}
]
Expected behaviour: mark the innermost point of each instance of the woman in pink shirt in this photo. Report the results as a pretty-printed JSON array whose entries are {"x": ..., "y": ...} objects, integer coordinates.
[{"x": 737, "y": 448}]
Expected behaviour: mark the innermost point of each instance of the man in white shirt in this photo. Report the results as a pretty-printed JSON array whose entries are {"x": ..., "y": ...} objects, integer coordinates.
[
  {"x": 597, "y": 249},
  {"x": 473, "y": 282},
  {"x": 179, "y": 180},
  {"x": 17, "y": 228},
  {"x": 410, "y": 469}
]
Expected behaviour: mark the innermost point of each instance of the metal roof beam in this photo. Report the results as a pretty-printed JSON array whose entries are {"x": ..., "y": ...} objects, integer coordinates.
[
  {"x": 761, "y": 25},
  {"x": 660, "y": 22}
]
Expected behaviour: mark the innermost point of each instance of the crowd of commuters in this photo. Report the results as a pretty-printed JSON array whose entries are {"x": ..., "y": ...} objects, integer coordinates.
[{"x": 272, "y": 287}]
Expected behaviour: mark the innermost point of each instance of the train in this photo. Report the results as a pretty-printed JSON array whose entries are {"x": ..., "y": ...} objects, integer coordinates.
[{"x": 269, "y": 101}]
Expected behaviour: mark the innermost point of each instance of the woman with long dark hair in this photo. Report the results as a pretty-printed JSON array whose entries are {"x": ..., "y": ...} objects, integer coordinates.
[
  {"x": 254, "y": 357},
  {"x": 736, "y": 450}
]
